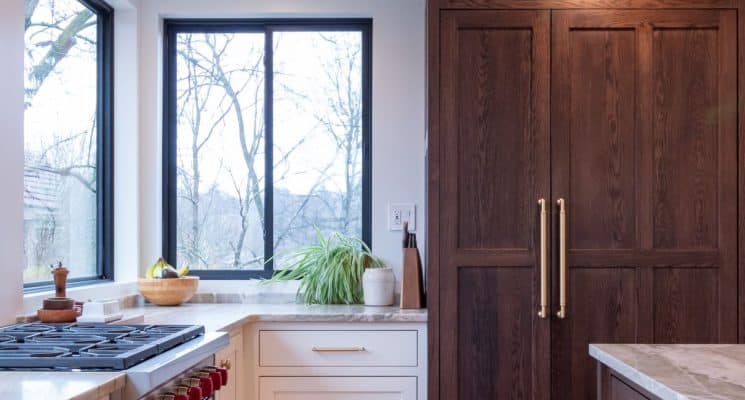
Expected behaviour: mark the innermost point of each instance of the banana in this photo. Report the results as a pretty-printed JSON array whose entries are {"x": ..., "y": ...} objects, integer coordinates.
[
  {"x": 183, "y": 270},
  {"x": 155, "y": 271}
]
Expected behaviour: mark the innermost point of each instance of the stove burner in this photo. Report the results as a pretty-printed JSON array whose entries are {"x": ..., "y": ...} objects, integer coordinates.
[
  {"x": 34, "y": 351},
  {"x": 7, "y": 338},
  {"x": 87, "y": 346},
  {"x": 109, "y": 331}
]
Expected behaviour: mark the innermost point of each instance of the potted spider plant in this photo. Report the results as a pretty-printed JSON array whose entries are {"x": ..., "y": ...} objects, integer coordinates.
[{"x": 330, "y": 271}]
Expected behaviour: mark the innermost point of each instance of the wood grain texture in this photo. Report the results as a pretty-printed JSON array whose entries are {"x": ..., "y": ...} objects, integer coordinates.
[
  {"x": 673, "y": 237},
  {"x": 610, "y": 317},
  {"x": 495, "y": 144},
  {"x": 494, "y": 359},
  {"x": 686, "y": 306},
  {"x": 680, "y": 176},
  {"x": 432, "y": 265},
  {"x": 686, "y": 124},
  {"x": 602, "y": 153},
  {"x": 584, "y": 4},
  {"x": 494, "y": 166}
]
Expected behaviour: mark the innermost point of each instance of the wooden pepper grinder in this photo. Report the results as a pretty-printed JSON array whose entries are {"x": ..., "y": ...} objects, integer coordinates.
[
  {"x": 60, "y": 280},
  {"x": 59, "y": 308}
]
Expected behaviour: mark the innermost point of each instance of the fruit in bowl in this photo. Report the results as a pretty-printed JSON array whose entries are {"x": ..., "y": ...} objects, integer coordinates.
[{"x": 166, "y": 286}]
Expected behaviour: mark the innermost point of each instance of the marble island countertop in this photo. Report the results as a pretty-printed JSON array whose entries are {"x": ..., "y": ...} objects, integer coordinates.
[{"x": 679, "y": 371}]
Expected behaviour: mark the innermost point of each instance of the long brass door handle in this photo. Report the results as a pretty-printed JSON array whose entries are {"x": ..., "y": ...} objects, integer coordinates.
[
  {"x": 562, "y": 313},
  {"x": 543, "y": 310}
]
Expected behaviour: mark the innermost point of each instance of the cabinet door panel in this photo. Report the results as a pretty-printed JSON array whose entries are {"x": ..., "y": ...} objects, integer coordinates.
[
  {"x": 644, "y": 152},
  {"x": 494, "y": 116},
  {"x": 337, "y": 388}
]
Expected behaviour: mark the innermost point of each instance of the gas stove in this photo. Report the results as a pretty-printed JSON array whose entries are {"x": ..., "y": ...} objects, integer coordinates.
[{"x": 87, "y": 346}]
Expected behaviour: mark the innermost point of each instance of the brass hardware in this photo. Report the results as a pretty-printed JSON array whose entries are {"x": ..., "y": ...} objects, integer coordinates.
[
  {"x": 225, "y": 364},
  {"x": 543, "y": 311},
  {"x": 562, "y": 313},
  {"x": 338, "y": 349}
]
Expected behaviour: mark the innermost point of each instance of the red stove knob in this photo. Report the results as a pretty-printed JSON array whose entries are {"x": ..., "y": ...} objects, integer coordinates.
[
  {"x": 180, "y": 393},
  {"x": 223, "y": 374},
  {"x": 215, "y": 376},
  {"x": 193, "y": 389},
  {"x": 205, "y": 383}
]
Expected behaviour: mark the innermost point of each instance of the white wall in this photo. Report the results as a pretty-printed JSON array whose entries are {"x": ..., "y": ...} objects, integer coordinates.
[
  {"x": 398, "y": 125},
  {"x": 11, "y": 158},
  {"x": 398, "y": 103}
]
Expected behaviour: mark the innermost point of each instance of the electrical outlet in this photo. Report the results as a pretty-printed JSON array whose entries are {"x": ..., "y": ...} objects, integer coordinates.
[{"x": 400, "y": 213}]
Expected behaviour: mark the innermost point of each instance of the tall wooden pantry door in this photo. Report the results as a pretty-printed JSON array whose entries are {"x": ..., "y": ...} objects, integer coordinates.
[
  {"x": 494, "y": 107},
  {"x": 644, "y": 153}
]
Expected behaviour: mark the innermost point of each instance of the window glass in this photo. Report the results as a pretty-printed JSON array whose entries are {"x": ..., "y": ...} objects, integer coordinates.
[
  {"x": 267, "y": 130},
  {"x": 317, "y": 136},
  {"x": 61, "y": 136}
]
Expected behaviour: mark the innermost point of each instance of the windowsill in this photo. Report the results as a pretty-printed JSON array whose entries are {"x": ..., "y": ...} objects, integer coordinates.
[{"x": 108, "y": 290}]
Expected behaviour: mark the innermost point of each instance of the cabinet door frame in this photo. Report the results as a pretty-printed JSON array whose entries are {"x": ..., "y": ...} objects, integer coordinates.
[{"x": 452, "y": 255}]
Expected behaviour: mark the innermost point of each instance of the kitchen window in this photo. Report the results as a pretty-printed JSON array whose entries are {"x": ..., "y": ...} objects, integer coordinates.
[
  {"x": 68, "y": 140},
  {"x": 266, "y": 140}
]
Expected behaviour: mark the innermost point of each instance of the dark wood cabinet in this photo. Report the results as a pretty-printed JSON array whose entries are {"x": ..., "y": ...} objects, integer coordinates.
[
  {"x": 631, "y": 117},
  {"x": 495, "y": 92}
]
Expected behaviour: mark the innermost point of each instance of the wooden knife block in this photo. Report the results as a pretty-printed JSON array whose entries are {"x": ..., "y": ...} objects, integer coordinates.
[{"x": 412, "y": 283}]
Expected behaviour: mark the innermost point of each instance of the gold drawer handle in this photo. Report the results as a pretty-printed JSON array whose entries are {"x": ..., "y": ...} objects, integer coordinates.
[
  {"x": 338, "y": 349},
  {"x": 562, "y": 313},
  {"x": 225, "y": 364},
  {"x": 543, "y": 310}
]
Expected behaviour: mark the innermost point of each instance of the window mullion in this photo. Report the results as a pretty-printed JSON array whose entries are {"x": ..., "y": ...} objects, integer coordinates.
[{"x": 269, "y": 151}]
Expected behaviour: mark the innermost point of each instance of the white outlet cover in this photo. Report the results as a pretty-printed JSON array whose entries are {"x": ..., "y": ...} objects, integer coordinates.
[{"x": 398, "y": 213}]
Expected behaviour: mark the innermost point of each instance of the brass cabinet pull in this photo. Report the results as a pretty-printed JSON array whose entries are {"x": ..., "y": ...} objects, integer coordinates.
[
  {"x": 225, "y": 364},
  {"x": 562, "y": 313},
  {"x": 338, "y": 349},
  {"x": 543, "y": 310}
]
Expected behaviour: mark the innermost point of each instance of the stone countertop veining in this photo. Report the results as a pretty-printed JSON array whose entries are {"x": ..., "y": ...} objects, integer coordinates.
[
  {"x": 25, "y": 385},
  {"x": 223, "y": 317},
  {"x": 214, "y": 316},
  {"x": 679, "y": 371}
]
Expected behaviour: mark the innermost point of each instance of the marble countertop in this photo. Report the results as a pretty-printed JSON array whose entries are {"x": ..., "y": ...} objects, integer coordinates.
[
  {"x": 59, "y": 385},
  {"x": 679, "y": 371},
  {"x": 223, "y": 317},
  {"x": 214, "y": 317}
]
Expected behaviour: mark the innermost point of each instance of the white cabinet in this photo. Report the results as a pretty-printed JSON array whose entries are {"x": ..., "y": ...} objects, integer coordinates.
[
  {"x": 336, "y": 361},
  {"x": 232, "y": 358},
  {"x": 337, "y": 388},
  {"x": 291, "y": 348}
]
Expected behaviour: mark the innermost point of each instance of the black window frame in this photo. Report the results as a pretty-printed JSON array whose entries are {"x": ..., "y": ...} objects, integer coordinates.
[
  {"x": 104, "y": 152},
  {"x": 268, "y": 26}
]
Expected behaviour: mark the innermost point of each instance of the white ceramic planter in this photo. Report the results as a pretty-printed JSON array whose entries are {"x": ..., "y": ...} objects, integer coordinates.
[{"x": 378, "y": 285}]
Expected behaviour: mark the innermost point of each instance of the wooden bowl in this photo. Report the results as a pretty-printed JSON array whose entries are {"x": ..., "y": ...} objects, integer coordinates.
[{"x": 168, "y": 292}]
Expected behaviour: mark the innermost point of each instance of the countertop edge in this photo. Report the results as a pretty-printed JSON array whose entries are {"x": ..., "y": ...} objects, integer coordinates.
[
  {"x": 104, "y": 389},
  {"x": 632, "y": 374},
  {"x": 278, "y": 313}
]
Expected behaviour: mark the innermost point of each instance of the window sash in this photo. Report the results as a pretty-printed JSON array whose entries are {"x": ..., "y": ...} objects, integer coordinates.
[
  {"x": 173, "y": 27},
  {"x": 104, "y": 155}
]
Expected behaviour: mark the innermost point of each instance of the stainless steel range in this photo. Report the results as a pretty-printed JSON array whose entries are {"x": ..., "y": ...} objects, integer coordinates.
[{"x": 161, "y": 361}]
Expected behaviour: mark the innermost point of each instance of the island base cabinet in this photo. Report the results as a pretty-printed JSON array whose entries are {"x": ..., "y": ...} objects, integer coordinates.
[
  {"x": 338, "y": 388},
  {"x": 613, "y": 387}
]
